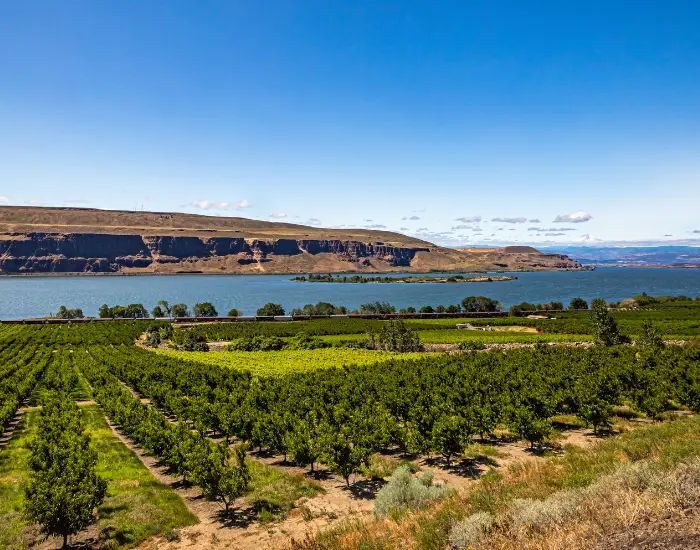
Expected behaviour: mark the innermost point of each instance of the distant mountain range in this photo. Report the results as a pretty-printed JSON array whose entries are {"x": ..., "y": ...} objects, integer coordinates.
[{"x": 677, "y": 256}]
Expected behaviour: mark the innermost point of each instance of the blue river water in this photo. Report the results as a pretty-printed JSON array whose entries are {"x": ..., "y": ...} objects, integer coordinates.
[{"x": 26, "y": 297}]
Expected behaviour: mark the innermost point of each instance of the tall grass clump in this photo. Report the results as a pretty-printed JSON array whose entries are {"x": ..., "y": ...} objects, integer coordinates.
[{"x": 470, "y": 530}]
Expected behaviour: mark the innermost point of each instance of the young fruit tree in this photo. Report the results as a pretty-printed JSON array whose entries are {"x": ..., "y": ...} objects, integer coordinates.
[{"x": 63, "y": 489}]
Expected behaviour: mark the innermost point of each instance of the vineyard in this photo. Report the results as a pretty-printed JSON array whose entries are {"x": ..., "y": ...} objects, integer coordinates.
[{"x": 245, "y": 429}]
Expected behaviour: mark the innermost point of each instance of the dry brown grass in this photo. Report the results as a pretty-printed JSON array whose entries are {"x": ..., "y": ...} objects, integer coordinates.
[
  {"x": 558, "y": 503},
  {"x": 575, "y": 518}
]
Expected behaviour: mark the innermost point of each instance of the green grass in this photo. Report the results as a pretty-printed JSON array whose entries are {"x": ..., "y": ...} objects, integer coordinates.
[
  {"x": 13, "y": 480},
  {"x": 279, "y": 363},
  {"x": 455, "y": 336},
  {"x": 137, "y": 506},
  {"x": 272, "y": 493}
]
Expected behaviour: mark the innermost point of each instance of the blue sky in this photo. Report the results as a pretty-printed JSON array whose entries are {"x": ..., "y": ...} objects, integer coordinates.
[{"x": 408, "y": 115}]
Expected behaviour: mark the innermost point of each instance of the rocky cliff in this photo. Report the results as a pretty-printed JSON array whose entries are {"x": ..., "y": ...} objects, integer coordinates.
[{"x": 48, "y": 240}]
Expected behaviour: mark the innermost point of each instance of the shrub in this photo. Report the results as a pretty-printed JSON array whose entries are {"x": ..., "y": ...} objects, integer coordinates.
[
  {"x": 378, "y": 308},
  {"x": 470, "y": 346},
  {"x": 396, "y": 336},
  {"x": 156, "y": 334},
  {"x": 257, "y": 343},
  {"x": 651, "y": 336},
  {"x": 179, "y": 310},
  {"x": 65, "y": 313},
  {"x": 205, "y": 309},
  {"x": 606, "y": 331},
  {"x": 233, "y": 312},
  {"x": 578, "y": 303},
  {"x": 304, "y": 341},
  {"x": 406, "y": 492},
  {"x": 270, "y": 310},
  {"x": 132, "y": 311},
  {"x": 480, "y": 303},
  {"x": 540, "y": 515},
  {"x": 467, "y": 532},
  {"x": 321, "y": 308},
  {"x": 189, "y": 340},
  {"x": 522, "y": 307}
]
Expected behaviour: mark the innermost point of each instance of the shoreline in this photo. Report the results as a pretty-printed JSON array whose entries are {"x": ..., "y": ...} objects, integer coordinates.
[{"x": 291, "y": 273}]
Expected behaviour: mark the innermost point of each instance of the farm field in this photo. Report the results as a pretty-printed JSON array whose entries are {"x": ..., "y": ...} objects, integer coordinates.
[
  {"x": 279, "y": 363},
  {"x": 674, "y": 320},
  {"x": 250, "y": 448}
]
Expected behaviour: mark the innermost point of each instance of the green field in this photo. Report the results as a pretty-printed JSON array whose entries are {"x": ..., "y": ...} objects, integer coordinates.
[
  {"x": 137, "y": 506},
  {"x": 455, "y": 336},
  {"x": 279, "y": 363},
  {"x": 676, "y": 320}
]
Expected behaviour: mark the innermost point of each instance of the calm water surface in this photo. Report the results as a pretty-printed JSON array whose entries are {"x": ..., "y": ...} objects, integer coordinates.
[{"x": 40, "y": 296}]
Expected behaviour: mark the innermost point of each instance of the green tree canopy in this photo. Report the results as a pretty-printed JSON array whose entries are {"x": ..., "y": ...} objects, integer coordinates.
[
  {"x": 205, "y": 309},
  {"x": 270, "y": 310},
  {"x": 480, "y": 303},
  {"x": 63, "y": 487}
]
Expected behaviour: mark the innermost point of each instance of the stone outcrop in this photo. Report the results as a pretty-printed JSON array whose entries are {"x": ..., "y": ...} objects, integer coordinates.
[{"x": 108, "y": 253}]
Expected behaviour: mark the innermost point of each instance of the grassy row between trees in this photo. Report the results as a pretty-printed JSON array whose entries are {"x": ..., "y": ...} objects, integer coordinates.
[{"x": 135, "y": 506}]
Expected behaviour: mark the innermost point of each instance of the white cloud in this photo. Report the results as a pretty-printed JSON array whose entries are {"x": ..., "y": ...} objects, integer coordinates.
[
  {"x": 696, "y": 230},
  {"x": 551, "y": 229},
  {"x": 375, "y": 226},
  {"x": 369, "y": 220},
  {"x": 534, "y": 220},
  {"x": 34, "y": 202},
  {"x": 557, "y": 234},
  {"x": 279, "y": 215},
  {"x": 574, "y": 217},
  {"x": 413, "y": 218},
  {"x": 4, "y": 200},
  {"x": 313, "y": 221},
  {"x": 509, "y": 220},
  {"x": 461, "y": 226},
  {"x": 403, "y": 228},
  {"x": 469, "y": 219},
  {"x": 219, "y": 205}
]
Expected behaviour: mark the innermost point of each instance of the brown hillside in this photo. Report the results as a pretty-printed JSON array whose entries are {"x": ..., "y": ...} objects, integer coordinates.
[{"x": 86, "y": 240}]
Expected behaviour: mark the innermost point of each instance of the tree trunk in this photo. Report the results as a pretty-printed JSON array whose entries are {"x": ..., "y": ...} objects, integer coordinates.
[{"x": 65, "y": 541}]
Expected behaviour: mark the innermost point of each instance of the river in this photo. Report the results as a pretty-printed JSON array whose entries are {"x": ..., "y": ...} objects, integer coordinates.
[{"x": 35, "y": 296}]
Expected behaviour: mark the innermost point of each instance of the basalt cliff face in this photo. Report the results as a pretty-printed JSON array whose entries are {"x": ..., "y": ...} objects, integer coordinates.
[
  {"x": 57, "y": 240},
  {"x": 109, "y": 253}
]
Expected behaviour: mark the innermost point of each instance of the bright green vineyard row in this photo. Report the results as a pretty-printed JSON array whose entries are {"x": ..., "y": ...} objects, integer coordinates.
[{"x": 279, "y": 363}]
